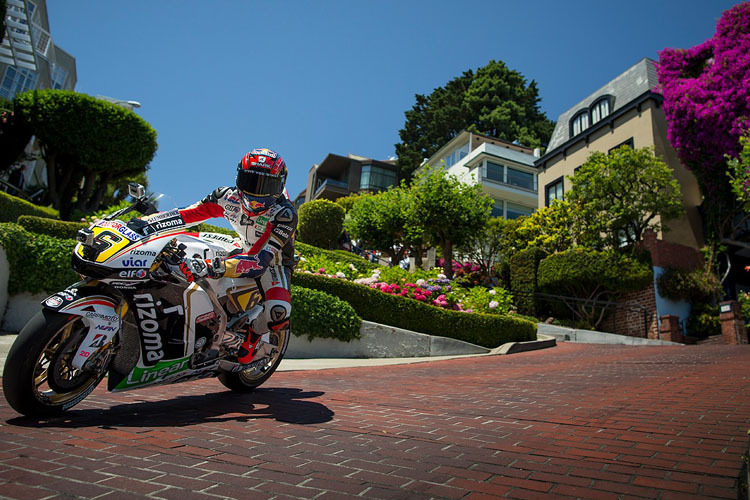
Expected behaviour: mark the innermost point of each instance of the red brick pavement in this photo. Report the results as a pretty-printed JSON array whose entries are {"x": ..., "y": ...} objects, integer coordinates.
[{"x": 586, "y": 421}]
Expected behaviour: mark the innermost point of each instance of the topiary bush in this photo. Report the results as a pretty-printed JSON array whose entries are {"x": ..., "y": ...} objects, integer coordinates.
[
  {"x": 523, "y": 278},
  {"x": 320, "y": 223},
  {"x": 696, "y": 286},
  {"x": 482, "y": 329},
  {"x": 51, "y": 227},
  {"x": 585, "y": 277},
  {"x": 12, "y": 207},
  {"x": 38, "y": 263},
  {"x": 321, "y": 315}
]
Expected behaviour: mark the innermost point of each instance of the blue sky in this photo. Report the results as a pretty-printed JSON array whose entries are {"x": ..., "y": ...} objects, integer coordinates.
[{"x": 308, "y": 78}]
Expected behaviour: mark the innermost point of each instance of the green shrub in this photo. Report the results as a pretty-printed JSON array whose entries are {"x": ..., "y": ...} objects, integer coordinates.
[
  {"x": 38, "y": 263},
  {"x": 318, "y": 314},
  {"x": 208, "y": 228},
  {"x": 694, "y": 286},
  {"x": 12, "y": 207},
  {"x": 320, "y": 223},
  {"x": 523, "y": 279},
  {"x": 51, "y": 227},
  {"x": 703, "y": 320},
  {"x": 362, "y": 265},
  {"x": 583, "y": 278},
  {"x": 482, "y": 329}
]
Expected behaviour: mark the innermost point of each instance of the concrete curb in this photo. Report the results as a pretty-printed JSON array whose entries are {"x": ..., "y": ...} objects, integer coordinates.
[
  {"x": 542, "y": 342},
  {"x": 565, "y": 334}
]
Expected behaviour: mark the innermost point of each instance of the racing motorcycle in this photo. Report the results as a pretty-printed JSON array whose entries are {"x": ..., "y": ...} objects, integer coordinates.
[{"x": 140, "y": 317}]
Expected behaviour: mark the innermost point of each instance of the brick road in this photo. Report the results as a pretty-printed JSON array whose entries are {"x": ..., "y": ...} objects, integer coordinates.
[{"x": 576, "y": 420}]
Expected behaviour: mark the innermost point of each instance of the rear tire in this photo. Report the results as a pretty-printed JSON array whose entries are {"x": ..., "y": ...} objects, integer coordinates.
[
  {"x": 38, "y": 380},
  {"x": 248, "y": 380}
]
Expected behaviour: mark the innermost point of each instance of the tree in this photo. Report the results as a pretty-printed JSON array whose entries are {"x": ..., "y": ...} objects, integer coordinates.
[
  {"x": 380, "y": 221},
  {"x": 495, "y": 242},
  {"x": 739, "y": 173},
  {"x": 495, "y": 101},
  {"x": 87, "y": 144},
  {"x": 447, "y": 211},
  {"x": 707, "y": 104},
  {"x": 14, "y": 136},
  {"x": 559, "y": 227},
  {"x": 632, "y": 190},
  {"x": 347, "y": 202},
  {"x": 320, "y": 223}
]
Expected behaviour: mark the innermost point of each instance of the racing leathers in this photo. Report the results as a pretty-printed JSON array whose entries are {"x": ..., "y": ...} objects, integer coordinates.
[{"x": 267, "y": 253}]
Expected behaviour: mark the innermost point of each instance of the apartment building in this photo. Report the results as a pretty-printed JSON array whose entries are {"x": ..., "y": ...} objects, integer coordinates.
[{"x": 338, "y": 176}]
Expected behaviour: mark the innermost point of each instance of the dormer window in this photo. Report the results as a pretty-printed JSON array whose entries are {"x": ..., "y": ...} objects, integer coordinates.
[
  {"x": 599, "y": 110},
  {"x": 580, "y": 122}
]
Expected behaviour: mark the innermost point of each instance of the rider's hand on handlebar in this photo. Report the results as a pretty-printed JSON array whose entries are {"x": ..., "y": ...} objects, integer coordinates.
[{"x": 196, "y": 268}]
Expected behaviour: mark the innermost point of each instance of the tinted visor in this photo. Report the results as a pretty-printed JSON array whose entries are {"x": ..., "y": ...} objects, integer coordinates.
[{"x": 259, "y": 184}]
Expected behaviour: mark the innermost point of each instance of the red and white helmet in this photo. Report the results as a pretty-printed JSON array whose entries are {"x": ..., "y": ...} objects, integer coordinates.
[{"x": 261, "y": 176}]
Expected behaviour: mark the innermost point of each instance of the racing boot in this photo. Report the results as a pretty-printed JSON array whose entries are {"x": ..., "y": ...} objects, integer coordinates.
[{"x": 248, "y": 347}]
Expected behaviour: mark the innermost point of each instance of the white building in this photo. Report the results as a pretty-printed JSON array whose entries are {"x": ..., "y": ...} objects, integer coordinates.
[{"x": 505, "y": 170}]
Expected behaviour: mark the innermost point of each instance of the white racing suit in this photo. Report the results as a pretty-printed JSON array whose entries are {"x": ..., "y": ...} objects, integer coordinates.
[{"x": 267, "y": 254}]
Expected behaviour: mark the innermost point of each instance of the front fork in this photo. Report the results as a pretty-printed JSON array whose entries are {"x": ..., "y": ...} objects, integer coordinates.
[{"x": 100, "y": 313}]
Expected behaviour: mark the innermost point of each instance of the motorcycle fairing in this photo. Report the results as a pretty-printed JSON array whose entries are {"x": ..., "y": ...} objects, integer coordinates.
[{"x": 100, "y": 314}]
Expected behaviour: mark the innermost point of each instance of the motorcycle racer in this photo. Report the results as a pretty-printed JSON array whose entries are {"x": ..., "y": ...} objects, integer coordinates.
[{"x": 261, "y": 213}]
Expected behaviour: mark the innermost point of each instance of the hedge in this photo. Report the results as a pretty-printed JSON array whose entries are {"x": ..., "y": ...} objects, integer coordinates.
[
  {"x": 38, "y": 263},
  {"x": 318, "y": 314},
  {"x": 51, "y": 227},
  {"x": 523, "y": 279},
  {"x": 696, "y": 286},
  {"x": 486, "y": 330},
  {"x": 362, "y": 264},
  {"x": 320, "y": 223},
  {"x": 12, "y": 207}
]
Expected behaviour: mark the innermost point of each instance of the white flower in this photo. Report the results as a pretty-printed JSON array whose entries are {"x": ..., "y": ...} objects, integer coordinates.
[
  {"x": 351, "y": 266},
  {"x": 494, "y": 304},
  {"x": 302, "y": 259},
  {"x": 441, "y": 276},
  {"x": 340, "y": 275},
  {"x": 421, "y": 282},
  {"x": 492, "y": 292}
]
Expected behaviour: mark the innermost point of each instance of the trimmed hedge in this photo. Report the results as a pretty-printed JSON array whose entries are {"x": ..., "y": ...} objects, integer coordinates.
[
  {"x": 362, "y": 265},
  {"x": 38, "y": 263},
  {"x": 318, "y": 314},
  {"x": 12, "y": 207},
  {"x": 523, "y": 278},
  {"x": 482, "y": 329},
  {"x": 51, "y": 227},
  {"x": 320, "y": 223}
]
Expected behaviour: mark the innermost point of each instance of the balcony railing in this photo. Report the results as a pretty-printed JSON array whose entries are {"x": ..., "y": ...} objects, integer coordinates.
[{"x": 332, "y": 185}]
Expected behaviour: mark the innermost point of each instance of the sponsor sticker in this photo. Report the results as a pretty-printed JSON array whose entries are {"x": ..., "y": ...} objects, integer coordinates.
[
  {"x": 53, "y": 301},
  {"x": 205, "y": 317},
  {"x": 134, "y": 273}
]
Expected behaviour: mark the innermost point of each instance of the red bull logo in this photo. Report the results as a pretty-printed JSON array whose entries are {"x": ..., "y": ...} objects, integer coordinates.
[
  {"x": 256, "y": 204},
  {"x": 247, "y": 265}
]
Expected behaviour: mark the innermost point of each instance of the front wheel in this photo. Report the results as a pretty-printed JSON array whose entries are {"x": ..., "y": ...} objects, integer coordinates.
[
  {"x": 38, "y": 379},
  {"x": 248, "y": 380}
]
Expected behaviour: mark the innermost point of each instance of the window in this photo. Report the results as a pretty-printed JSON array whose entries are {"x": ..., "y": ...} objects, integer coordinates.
[
  {"x": 580, "y": 123},
  {"x": 497, "y": 209},
  {"x": 376, "y": 178},
  {"x": 456, "y": 156},
  {"x": 521, "y": 179},
  {"x": 495, "y": 172},
  {"x": 629, "y": 143},
  {"x": 553, "y": 191},
  {"x": 17, "y": 80},
  {"x": 600, "y": 110},
  {"x": 515, "y": 211},
  {"x": 58, "y": 76}
]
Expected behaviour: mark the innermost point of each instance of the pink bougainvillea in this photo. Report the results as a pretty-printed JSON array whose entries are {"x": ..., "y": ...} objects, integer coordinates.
[{"x": 706, "y": 93}]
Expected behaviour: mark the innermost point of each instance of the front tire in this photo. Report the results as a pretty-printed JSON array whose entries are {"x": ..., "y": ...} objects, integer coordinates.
[
  {"x": 248, "y": 380},
  {"x": 38, "y": 380}
]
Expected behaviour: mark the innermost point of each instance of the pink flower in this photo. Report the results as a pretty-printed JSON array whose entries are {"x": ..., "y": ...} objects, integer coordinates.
[{"x": 321, "y": 270}]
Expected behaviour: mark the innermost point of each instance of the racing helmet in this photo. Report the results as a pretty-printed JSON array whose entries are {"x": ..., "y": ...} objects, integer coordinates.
[{"x": 261, "y": 176}]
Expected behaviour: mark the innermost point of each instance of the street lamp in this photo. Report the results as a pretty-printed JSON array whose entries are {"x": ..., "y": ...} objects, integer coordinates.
[{"x": 121, "y": 102}]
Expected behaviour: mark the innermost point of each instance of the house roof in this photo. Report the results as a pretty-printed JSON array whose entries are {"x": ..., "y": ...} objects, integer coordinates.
[{"x": 624, "y": 89}]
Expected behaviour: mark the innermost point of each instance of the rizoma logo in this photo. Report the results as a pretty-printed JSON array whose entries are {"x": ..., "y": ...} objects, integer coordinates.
[
  {"x": 134, "y": 273},
  {"x": 149, "y": 327},
  {"x": 167, "y": 223}
]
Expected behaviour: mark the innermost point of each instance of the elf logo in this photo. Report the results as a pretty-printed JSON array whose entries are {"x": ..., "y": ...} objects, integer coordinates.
[{"x": 133, "y": 273}]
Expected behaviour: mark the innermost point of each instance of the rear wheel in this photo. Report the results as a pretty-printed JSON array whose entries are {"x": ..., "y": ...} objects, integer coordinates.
[
  {"x": 247, "y": 380},
  {"x": 38, "y": 378}
]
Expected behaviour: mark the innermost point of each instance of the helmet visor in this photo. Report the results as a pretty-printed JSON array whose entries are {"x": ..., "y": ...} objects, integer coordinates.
[{"x": 259, "y": 184}]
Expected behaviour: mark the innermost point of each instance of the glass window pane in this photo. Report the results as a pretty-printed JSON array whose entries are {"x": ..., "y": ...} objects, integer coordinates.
[
  {"x": 497, "y": 209},
  {"x": 520, "y": 178},
  {"x": 495, "y": 172},
  {"x": 515, "y": 211}
]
